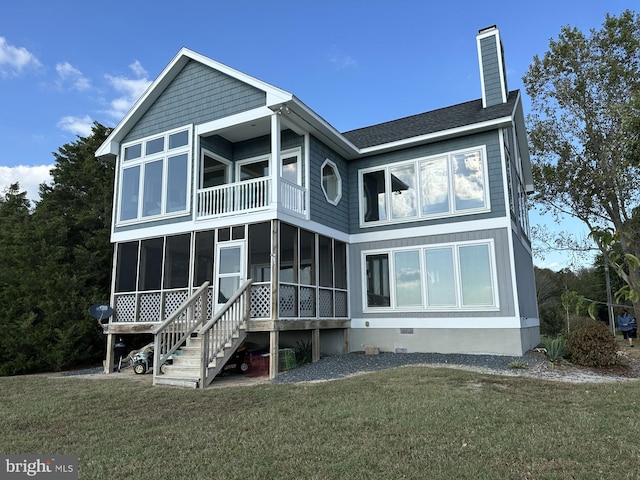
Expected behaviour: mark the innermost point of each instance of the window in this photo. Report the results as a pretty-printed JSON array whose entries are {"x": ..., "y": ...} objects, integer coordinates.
[
  {"x": 408, "y": 278},
  {"x": 452, "y": 277},
  {"x": 440, "y": 278},
  {"x": 214, "y": 171},
  {"x": 154, "y": 178},
  {"x": 331, "y": 182},
  {"x": 258, "y": 167},
  {"x": 290, "y": 169},
  {"x": 444, "y": 185},
  {"x": 129, "y": 193},
  {"x": 374, "y": 197},
  {"x": 434, "y": 180},
  {"x": 475, "y": 275},
  {"x": 378, "y": 280}
]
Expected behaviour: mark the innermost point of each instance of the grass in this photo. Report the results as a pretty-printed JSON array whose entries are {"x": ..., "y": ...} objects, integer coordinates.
[{"x": 411, "y": 422}]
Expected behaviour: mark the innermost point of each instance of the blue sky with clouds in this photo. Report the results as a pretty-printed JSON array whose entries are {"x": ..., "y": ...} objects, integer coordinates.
[{"x": 67, "y": 63}]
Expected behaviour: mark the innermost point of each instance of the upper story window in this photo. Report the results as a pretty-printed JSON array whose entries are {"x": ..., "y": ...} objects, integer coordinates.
[
  {"x": 449, "y": 184},
  {"x": 331, "y": 182},
  {"x": 154, "y": 177}
]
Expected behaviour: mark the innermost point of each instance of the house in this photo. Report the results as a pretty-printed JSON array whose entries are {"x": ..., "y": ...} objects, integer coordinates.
[{"x": 406, "y": 236}]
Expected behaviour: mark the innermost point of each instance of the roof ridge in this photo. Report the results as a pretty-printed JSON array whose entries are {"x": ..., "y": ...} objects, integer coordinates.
[{"x": 435, "y": 110}]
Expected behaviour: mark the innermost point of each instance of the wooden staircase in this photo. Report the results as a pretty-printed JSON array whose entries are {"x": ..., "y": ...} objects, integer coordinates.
[
  {"x": 186, "y": 368},
  {"x": 204, "y": 346}
]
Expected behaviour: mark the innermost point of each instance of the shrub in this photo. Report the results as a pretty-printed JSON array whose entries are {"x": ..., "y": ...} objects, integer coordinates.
[
  {"x": 593, "y": 345},
  {"x": 304, "y": 352},
  {"x": 518, "y": 364},
  {"x": 556, "y": 348}
]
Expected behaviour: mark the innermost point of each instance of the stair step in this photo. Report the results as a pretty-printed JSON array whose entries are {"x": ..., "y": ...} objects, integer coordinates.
[
  {"x": 192, "y": 371},
  {"x": 176, "y": 381},
  {"x": 186, "y": 360}
]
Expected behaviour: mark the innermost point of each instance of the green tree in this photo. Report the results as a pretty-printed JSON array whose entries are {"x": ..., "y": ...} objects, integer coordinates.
[
  {"x": 584, "y": 130},
  {"x": 62, "y": 263},
  {"x": 15, "y": 273}
]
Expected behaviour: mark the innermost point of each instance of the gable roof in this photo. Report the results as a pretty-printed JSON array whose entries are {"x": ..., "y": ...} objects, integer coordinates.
[
  {"x": 434, "y": 121},
  {"x": 274, "y": 95}
]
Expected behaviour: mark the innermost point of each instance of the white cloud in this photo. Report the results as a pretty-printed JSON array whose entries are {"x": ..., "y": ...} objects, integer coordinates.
[
  {"x": 77, "y": 125},
  {"x": 130, "y": 88},
  {"x": 13, "y": 60},
  {"x": 138, "y": 69},
  {"x": 341, "y": 60},
  {"x": 67, "y": 73},
  {"x": 29, "y": 178}
]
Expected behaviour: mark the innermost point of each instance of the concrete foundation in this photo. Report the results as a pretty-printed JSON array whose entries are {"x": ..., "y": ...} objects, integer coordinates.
[{"x": 512, "y": 342}]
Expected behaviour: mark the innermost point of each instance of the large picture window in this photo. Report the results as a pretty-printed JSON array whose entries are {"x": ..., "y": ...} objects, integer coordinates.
[
  {"x": 154, "y": 176},
  {"x": 454, "y": 276},
  {"x": 451, "y": 184}
]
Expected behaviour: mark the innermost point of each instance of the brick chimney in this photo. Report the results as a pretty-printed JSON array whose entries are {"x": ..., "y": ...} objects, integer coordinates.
[{"x": 493, "y": 72}]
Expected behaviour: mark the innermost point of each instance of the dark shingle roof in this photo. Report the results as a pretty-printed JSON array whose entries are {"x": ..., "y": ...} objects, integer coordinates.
[{"x": 446, "y": 118}]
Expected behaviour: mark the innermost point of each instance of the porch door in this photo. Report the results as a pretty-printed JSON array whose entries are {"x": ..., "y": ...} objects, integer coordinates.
[{"x": 231, "y": 265}]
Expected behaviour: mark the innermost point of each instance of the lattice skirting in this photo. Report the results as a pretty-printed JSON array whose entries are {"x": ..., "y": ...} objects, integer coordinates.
[{"x": 260, "y": 301}]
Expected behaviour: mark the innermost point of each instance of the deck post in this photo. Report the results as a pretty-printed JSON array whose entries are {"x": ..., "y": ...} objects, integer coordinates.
[
  {"x": 109, "y": 360},
  {"x": 315, "y": 345},
  {"x": 347, "y": 340},
  {"x": 274, "y": 345}
]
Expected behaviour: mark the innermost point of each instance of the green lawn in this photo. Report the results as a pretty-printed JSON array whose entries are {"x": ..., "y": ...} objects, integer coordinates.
[{"x": 412, "y": 422}]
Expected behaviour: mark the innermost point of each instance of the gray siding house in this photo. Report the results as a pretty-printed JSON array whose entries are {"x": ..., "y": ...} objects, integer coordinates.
[{"x": 231, "y": 195}]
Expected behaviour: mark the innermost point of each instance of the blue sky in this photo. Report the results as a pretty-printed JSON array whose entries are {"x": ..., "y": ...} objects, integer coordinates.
[{"x": 67, "y": 63}]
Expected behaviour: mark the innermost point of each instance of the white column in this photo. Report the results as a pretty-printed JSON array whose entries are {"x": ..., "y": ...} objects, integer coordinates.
[{"x": 276, "y": 163}]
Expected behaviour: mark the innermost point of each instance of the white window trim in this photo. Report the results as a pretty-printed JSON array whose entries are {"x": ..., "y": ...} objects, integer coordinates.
[
  {"x": 426, "y": 308},
  {"x": 208, "y": 153},
  {"x": 144, "y": 160},
  {"x": 419, "y": 216},
  {"x": 292, "y": 152},
  {"x": 339, "y": 179}
]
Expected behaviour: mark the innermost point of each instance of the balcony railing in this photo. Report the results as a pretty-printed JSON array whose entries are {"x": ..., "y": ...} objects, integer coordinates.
[
  {"x": 293, "y": 197},
  {"x": 234, "y": 198},
  {"x": 248, "y": 196}
]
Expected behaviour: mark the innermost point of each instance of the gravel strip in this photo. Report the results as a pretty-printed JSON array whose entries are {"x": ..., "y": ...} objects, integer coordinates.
[{"x": 340, "y": 366}]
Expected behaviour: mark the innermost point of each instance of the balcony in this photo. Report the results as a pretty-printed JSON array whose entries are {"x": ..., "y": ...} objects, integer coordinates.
[{"x": 249, "y": 196}]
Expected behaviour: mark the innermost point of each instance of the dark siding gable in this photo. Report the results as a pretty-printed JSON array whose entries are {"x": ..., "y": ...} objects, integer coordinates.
[{"x": 198, "y": 94}]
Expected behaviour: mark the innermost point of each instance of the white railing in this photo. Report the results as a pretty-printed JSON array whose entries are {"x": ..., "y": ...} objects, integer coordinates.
[
  {"x": 249, "y": 195},
  {"x": 219, "y": 332},
  {"x": 234, "y": 197},
  {"x": 293, "y": 197},
  {"x": 174, "y": 331}
]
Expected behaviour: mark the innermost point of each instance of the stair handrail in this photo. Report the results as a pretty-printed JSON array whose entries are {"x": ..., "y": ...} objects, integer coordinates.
[
  {"x": 222, "y": 326},
  {"x": 171, "y": 334}
]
